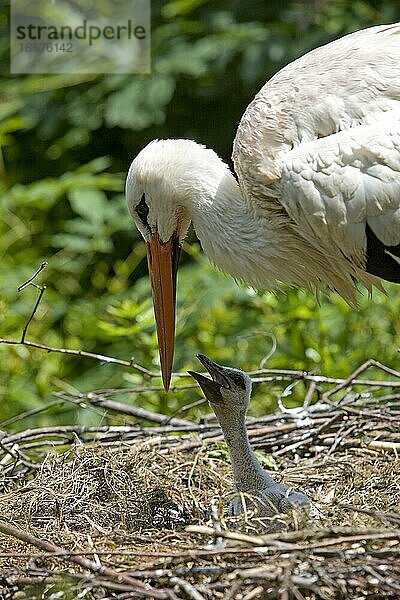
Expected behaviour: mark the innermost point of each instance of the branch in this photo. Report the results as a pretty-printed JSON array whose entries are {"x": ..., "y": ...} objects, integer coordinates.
[
  {"x": 361, "y": 369},
  {"x": 100, "y": 357},
  {"x": 96, "y": 399},
  {"x": 288, "y": 542},
  {"x": 23, "y": 342}
]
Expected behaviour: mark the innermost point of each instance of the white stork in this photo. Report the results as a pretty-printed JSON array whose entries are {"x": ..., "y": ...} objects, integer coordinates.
[{"x": 316, "y": 201}]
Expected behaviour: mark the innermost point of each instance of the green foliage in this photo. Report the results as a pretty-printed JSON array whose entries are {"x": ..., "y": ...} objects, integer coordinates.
[
  {"x": 220, "y": 450},
  {"x": 66, "y": 142},
  {"x": 266, "y": 460}
]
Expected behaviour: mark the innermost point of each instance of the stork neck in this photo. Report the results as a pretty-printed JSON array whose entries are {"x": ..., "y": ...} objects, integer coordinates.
[
  {"x": 254, "y": 240},
  {"x": 247, "y": 472},
  {"x": 228, "y": 230}
]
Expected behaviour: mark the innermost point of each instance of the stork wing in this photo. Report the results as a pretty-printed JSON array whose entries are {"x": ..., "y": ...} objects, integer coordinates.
[
  {"x": 321, "y": 144},
  {"x": 344, "y": 190}
]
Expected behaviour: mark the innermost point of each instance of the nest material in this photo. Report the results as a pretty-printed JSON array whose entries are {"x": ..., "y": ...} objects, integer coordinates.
[{"x": 152, "y": 507}]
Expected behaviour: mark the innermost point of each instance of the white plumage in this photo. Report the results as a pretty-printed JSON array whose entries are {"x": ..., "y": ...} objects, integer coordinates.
[
  {"x": 317, "y": 155},
  {"x": 322, "y": 141}
]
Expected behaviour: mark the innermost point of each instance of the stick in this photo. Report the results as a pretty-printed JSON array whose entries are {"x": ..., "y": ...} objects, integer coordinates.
[
  {"x": 350, "y": 380},
  {"x": 187, "y": 587},
  {"x": 273, "y": 541},
  {"x": 126, "y": 409},
  {"x": 393, "y": 517}
]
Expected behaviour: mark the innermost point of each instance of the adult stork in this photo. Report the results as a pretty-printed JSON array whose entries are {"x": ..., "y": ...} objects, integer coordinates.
[{"x": 317, "y": 196}]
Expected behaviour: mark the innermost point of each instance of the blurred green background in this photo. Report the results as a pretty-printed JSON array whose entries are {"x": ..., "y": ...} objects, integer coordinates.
[{"x": 66, "y": 144}]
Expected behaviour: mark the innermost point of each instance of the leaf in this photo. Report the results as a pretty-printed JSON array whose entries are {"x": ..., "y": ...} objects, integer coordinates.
[
  {"x": 141, "y": 103},
  {"x": 90, "y": 204},
  {"x": 266, "y": 460}
]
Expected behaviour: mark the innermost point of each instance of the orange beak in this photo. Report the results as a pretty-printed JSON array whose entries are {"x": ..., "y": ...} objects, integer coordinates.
[{"x": 163, "y": 260}]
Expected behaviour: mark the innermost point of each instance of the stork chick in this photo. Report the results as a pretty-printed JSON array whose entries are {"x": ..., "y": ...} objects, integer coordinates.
[{"x": 229, "y": 393}]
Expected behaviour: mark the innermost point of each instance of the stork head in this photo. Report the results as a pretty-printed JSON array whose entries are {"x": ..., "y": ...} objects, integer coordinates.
[
  {"x": 228, "y": 389},
  {"x": 162, "y": 186}
]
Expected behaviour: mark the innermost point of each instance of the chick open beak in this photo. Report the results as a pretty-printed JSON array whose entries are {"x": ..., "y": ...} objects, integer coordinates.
[
  {"x": 163, "y": 258},
  {"x": 211, "y": 387}
]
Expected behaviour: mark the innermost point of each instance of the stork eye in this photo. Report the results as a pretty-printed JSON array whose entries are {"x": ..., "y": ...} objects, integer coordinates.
[
  {"x": 142, "y": 210},
  {"x": 239, "y": 381}
]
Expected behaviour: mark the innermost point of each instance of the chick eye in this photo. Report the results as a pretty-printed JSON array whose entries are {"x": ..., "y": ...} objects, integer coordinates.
[
  {"x": 239, "y": 381},
  {"x": 142, "y": 210}
]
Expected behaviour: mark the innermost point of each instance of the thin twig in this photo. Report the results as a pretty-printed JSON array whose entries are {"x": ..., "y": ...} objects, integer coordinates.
[
  {"x": 41, "y": 289},
  {"x": 38, "y": 299},
  {"x": 30, "y": 413},
  {"x": 187, "y": 407},
  {"x": 29, "y": 281},
  {"x": 383, "y": 516}
]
